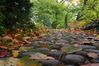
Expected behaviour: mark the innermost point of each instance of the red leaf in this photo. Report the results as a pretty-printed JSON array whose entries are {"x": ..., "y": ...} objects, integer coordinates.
[{"x": 3, "y": 53}]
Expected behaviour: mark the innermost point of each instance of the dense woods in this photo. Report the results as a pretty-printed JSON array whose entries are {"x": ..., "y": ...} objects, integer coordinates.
[{"x": 50, "y": 14}]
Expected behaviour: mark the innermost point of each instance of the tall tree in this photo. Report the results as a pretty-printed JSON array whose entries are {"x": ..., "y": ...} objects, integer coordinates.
[
  {"x": 16, "y": 12},
  {"x": 49, "y": 12}
]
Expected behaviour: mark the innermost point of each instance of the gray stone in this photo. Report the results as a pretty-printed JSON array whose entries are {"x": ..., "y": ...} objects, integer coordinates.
[
  {"x": 55, "y": 54},
  {"x": 43, "y": 50},
  {"x": 69, "y": 65},
  {"x": 96, "y": 60},
  {"x": 87, "y": 47},
  {"x": 50, "y": 63},
  {"x": 74, "y": 59}
]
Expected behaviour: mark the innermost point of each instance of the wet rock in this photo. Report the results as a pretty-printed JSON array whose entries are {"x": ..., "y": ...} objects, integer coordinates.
[
  {"x": 74, "y": 59},
  {"x": 58, "y": 47},
  {"x": 69, "y": 65},
  {"x": 42, "y": 50},
  {"x": 96, "y": 60},
  {"x": 97, "y": 44},
  {"x": 22, "y": 54},
  {"x": 55, "y": 54},
  {"x": 96, "y": 51},
  {"x": 92, "y": 50},
  {"x": 84, "y": 47},
  {"x": 50, "y": 63},
  {"x": 86, "y": 42},
  {"x": 82, "y": 53},
  {"x": 91, "y": 64},
  {"x": 90, "y": 37}
]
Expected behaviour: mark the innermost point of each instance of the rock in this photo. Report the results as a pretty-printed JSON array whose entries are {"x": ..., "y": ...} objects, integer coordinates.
[
  {"x": 88, "y": 50},
  {"x": 58, "y": 47},
  {"x": 96, "y": 51},
  {"x": 42, "y": 50},
  {"x": 22, "y": 54},
  {"x": 91, "y": 64},
  {"x": 55, "y": 54},
  {"x": 69, "y": 65},
  {"x": 50, "y": 62},
  {"x": 84, "y": 47},
  {"x": 97, "y": 44},
  {"x": 96, "y": 60},
  {"x": 74, "y": 59},
  {"x": 86, "y": 42},
  {"x": 90, "y": 37},
  {"x": 92, "y": 50},
  {"x": 82, "y": 53}
]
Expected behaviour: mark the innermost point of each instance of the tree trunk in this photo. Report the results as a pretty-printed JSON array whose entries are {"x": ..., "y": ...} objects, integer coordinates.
[{"x": 65, "y": 22}]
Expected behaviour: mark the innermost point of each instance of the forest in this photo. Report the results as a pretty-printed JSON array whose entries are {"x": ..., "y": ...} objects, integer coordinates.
[{"x": 49, "y": 33}]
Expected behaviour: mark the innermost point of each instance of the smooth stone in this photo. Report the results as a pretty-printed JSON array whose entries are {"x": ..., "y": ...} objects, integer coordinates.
[
  {"x": 82, "y": 53},
  {"x": 92, "y": 50},
  {"x": 50, "y": 63},
  {"x": 87, "y": 42},
  {"x": 95, "y": 60},
  {"x": 96, "y": 51},
  {"x": 69, "y": 65},
  {"x": 91, "y": 64},
  {"x": 74, "y": 59},
  {"x": 58, "y": 47},
  {"x": 87, "y": 47},
  {"x": 22, "y": 54},
  {"x": 56, "y": 54},
  {"x": 43, "y": 50}
]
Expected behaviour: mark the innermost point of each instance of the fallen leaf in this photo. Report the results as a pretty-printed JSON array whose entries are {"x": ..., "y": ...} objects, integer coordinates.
[
  {"x": 92, "y": 54},
  {"x": 15, "y": 53},
  {"x": 70, "y": 49},
  {"x": 3, "y": 53},
  {"x": 38, "y": 56}
]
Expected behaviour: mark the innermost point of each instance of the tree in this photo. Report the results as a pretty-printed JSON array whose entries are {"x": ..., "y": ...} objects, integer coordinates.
[
  {"x": 89, "y": 10},
  {"x": 15, "y": 13},
  {"x": 49, "y": 12}
]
